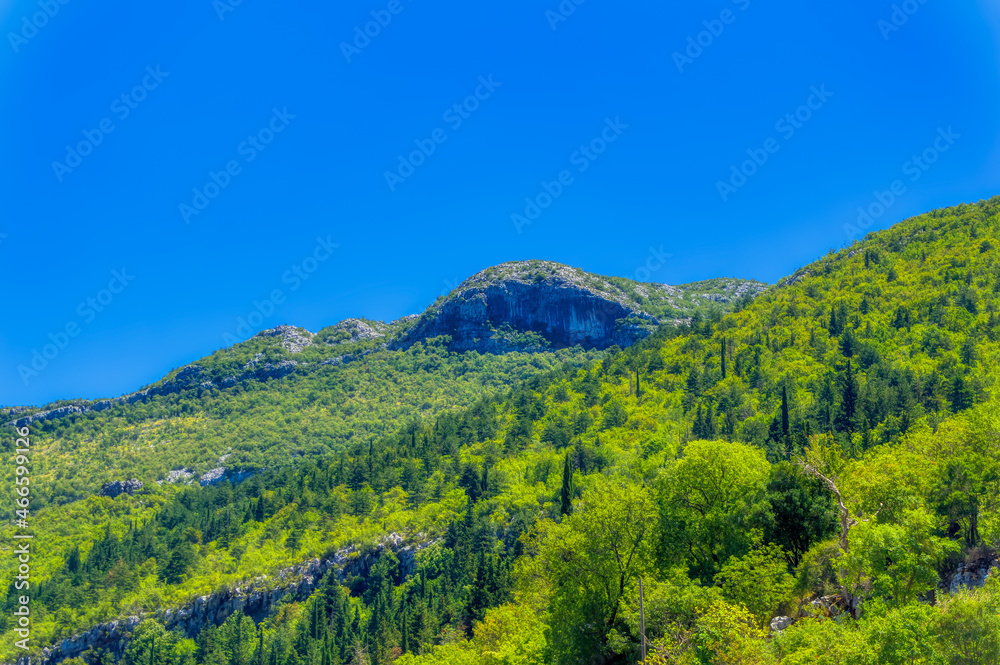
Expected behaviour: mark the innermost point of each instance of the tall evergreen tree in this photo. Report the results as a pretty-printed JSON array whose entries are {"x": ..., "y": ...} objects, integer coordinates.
[
  {"x": 698, "y": 428},
  {"x": 484, "y": 482},
  {"x": 404, "y": 641},
  {"x": 710, "y": 430},
  {"x": 566, "y": 493},
  {"x": 723, "y": 356},
  {"x": 784, "y": 411},
  {"x": 834, "y": 323},
  {"x": 961, "y": 396},
  {"x": 848, "y": 401}
]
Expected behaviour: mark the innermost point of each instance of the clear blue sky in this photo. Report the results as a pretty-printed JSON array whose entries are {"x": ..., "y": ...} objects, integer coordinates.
[{"x": 184, "y": 85}]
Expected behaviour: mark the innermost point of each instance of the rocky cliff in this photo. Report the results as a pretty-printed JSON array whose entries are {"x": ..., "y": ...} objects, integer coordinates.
[
  {"x": 531, "y": 305},
  {"x": 517, "y": 306},
  {"x": 257, "y": 599}
]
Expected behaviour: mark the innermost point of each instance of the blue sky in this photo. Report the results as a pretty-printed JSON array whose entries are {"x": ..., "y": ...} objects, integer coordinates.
[{"x": 621, "y": 119}]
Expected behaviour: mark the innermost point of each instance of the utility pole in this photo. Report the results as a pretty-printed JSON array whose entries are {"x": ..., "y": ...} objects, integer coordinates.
[{"x": 642, "y": 622}]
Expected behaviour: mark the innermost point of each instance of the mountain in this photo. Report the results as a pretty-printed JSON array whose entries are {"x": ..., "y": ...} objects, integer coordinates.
[
  {"x": 516, "y": 306},
  {"x": 827, "y": 449},
  {"x": 541, "y": 304},
  {"x": 289, "y": 393}
]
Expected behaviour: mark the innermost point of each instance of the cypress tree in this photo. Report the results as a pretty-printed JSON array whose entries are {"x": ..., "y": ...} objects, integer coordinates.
[
  {"x": 238, "y": 647},
  {"x": 961, "y": 395},
  {"x": 405, "y": 641},
  {"x": 638, "y": 390},
  {"x": 848, "y": 401},
  {"x": 566, "y": 493},
  {"x": 784, "y": 411},
  {"x": 698, "y": 429},
  {"x": 315, "y": 619},
  {"x": 723, "y": 356}
]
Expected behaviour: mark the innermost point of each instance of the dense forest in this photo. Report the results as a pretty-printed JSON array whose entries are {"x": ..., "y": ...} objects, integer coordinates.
[{"x": 828, "y": 452}]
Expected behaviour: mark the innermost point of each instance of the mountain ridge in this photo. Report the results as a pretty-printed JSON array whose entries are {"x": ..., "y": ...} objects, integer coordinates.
[
  {"x": 614, "y": 300},
  {"x": 876, "y": 363}
]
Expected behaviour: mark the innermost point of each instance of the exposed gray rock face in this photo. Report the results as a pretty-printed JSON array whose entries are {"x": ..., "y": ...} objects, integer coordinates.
[
  {"x": 219, "y": 474},
  {"x": 356, "y": 330},
  {"x": 119, "y": 487},
  {"x": 972, "y": 574},
  {"x": 292, "y": 338},
  {"x": 191, "y": 376},
  {"x": 487, "y": 312},
  {"x": 261, "y": 371},
  {"x": 212, "y": 477},
  {"x": 179, "y": 475},
  {"x": 826, "y": 606},
  {"x": 516, "y": 306},
  {"x": 779, "y": 624},
  {"x": 256, "y": 599}
]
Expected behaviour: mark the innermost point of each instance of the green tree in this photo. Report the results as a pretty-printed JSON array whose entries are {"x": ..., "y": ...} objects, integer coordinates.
[
  {"x": 706, "y": 500},
  {"x": 800, "y": 512},
  {"x": 968, "y": 627},
  {"x": 566, "y": 492},
  {"x": 590, "y": 559},
  {"x": 181, "y": 559},
  {"x": 902, "y": 635},
  {"x": 784, "y": 412},
  {"x": 237, "y": 637},
  {"x": 848, "y": 400},
  {"x": 759, "y": 581},
  {"x": 897, "y": 562}
]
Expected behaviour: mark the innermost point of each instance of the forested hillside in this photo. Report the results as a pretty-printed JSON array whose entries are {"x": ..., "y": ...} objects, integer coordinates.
[
  {"x": 827, "y": 454},
  {"x": 287, "y": 393}
]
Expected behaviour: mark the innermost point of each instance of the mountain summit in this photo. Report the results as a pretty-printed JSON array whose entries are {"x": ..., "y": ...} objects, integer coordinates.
[
  {"x": 528, "y": 305},
  {"x": 392, "y": 490},
  {"x": 520, "y": 306}
]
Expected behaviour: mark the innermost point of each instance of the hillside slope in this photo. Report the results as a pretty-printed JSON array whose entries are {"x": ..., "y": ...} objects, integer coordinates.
[
  {"x": 287, "y": 392},
  {"x": 700, "y": 459}
]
